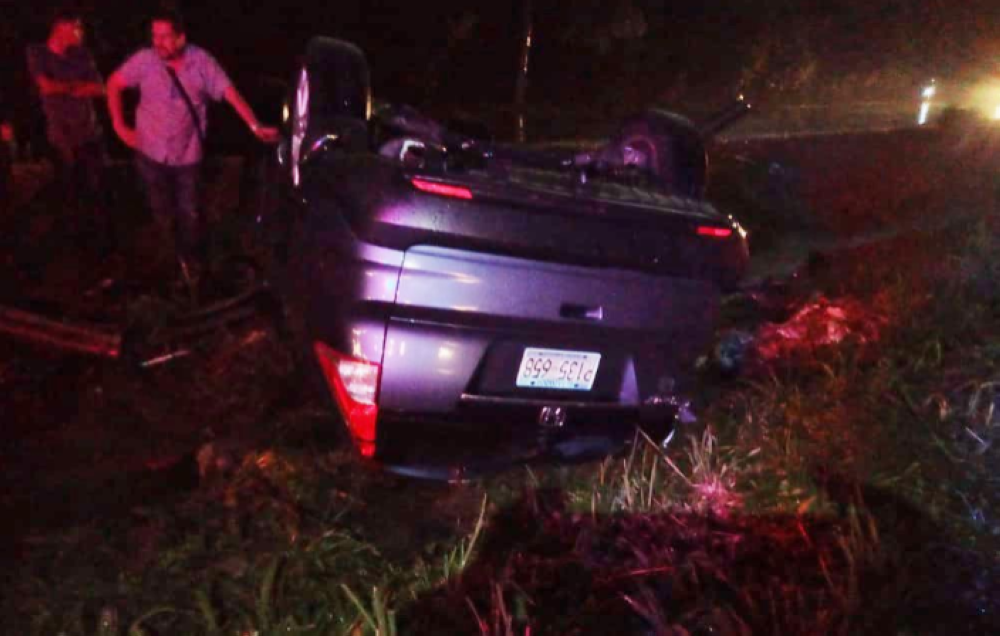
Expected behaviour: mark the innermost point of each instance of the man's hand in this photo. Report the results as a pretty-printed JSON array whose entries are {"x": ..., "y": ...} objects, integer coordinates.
[{"x": 267, "y": 134}]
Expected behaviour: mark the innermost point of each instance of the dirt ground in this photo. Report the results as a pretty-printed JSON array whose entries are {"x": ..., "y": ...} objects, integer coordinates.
[{"x": 88, "y": 437}]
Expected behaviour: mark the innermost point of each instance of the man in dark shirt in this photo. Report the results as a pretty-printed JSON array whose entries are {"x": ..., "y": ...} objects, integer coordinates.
[{"x": 68, "y": 82}]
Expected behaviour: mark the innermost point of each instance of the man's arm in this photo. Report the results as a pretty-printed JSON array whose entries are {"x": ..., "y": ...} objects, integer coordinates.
[
  {"x": 91, "y": 87},
  {"x": 115, "y": 86},
  {"x": 48, "y": 86},
  {"x": 267, "y": 134},
  {"x": 76, "y": 88}
]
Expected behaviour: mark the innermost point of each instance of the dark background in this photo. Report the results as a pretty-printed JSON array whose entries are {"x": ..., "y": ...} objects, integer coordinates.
[{"x": 592, "y": 60}]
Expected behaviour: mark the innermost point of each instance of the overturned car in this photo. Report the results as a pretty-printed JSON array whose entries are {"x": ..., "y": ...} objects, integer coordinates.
[{"x": 466, "y": 304}]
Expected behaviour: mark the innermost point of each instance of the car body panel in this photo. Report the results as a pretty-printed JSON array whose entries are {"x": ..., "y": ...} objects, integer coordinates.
[{"x": 462, "y": 320}]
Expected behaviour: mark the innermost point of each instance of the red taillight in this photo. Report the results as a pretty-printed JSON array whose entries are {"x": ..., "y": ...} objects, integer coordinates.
[
  {"x": 714, "y": 232},
  {"x": 442, "y": 189},
  {"x": 354, "y": 385}
]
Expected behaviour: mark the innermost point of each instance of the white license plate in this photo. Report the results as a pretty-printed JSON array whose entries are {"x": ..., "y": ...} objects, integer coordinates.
[{"x": 558, "y": 369}]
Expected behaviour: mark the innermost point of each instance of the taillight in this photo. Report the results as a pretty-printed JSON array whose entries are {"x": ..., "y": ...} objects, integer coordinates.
[
  {"x": 354, "y": 385},
  {"x": 714, "y": 232},
  {"x": 443, "y": 189}
]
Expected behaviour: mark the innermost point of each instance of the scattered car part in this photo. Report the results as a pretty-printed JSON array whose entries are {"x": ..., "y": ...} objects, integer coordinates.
[
  {"x": 172, "y": 341},
  {"x": 60, "y": 334}
]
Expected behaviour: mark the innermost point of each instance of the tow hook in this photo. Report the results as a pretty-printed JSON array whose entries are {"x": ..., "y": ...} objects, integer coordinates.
[{"x": 552, "y": 417}]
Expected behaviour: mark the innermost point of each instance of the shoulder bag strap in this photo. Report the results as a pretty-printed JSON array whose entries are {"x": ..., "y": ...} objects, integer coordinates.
[{"x": 190, "y": 104}]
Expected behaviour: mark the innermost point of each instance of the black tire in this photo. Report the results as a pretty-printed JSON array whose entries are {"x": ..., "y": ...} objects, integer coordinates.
[
  {"x": 335, "y": 102},
  {"x": 340, "y": 81}
]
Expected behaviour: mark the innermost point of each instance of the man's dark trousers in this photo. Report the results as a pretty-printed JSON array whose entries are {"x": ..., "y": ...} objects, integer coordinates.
[{"x": 172, "y": 192}]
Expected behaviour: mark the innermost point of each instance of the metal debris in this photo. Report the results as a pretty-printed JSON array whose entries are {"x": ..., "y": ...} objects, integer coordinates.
[
  {"x": 820, "y": 323},
  {"x": 78, "y": 337},
  {"x": 166, "y": 357}
]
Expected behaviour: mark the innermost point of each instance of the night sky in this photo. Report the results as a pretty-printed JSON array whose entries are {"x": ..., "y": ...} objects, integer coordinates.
[{"x": 601, "y": 58}]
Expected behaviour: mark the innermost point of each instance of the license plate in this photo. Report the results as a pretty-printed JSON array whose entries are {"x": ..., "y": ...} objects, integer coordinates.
[{"x": 558, "y": 369}]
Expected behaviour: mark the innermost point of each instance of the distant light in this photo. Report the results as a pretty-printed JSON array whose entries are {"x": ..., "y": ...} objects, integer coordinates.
[
  {"x": 996, "y": 113},
  {"x": 924, "y": 110},
  {"x": 927, "y": 94}
]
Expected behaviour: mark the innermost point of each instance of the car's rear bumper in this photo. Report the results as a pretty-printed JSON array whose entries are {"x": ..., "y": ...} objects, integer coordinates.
[{"x": 487, "y": 435}]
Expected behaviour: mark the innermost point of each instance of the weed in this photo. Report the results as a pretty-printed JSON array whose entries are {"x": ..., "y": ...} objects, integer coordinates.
[
  {"x": 501, "y": 620},
  {"x": 454, "y": 561},
  {"x": 376, "y": 615}
]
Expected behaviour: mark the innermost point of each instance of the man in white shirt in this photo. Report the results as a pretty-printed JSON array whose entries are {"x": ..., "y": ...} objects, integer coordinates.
[{"x": 176, "y": 80}]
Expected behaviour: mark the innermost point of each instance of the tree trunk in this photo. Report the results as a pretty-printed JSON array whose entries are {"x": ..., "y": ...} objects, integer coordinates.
[{"x": 521, "y": 86}]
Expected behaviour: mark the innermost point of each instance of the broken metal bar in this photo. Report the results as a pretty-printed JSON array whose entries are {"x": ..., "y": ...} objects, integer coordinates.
[
  {"x": 106, "y": 341},
  {"x": 166, "y": 357},
  {"x": 59, "y": 334},
  {"x": 210, "y": 323},
  {"x": 224, "y": 305}
]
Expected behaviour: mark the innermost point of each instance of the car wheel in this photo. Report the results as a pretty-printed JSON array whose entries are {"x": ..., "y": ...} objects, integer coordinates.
[{"x": 664, "y": 145}]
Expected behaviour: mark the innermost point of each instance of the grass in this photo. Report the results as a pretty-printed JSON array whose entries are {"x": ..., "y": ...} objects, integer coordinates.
[{"x": 841, "y": 488}]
